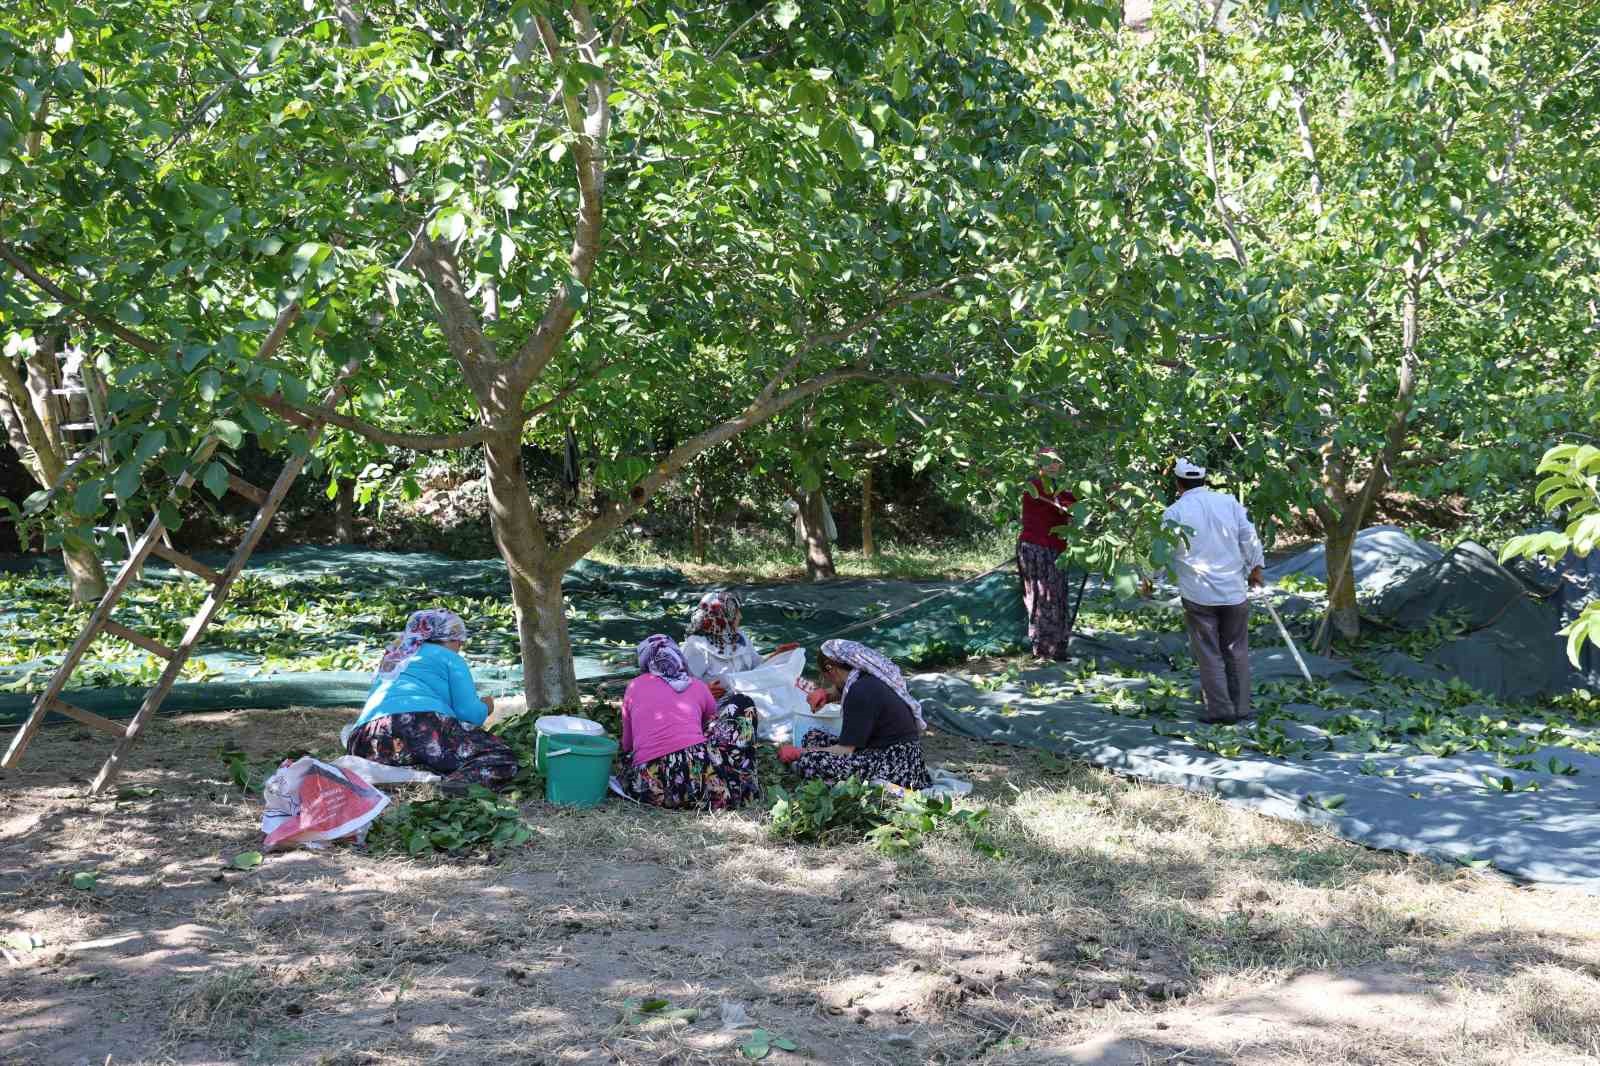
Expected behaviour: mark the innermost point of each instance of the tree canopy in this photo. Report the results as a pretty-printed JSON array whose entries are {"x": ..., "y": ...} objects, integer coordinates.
[{"x": 1314, "y": 243}]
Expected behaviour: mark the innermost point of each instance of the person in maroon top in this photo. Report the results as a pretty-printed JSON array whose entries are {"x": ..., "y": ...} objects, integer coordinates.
[{"x": 1044, "y": 584}]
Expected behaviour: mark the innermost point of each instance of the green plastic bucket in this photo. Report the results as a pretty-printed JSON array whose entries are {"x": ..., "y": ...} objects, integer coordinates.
[
  {"x": 577, "y": 768},
  {"x": 552, "y": 726}
]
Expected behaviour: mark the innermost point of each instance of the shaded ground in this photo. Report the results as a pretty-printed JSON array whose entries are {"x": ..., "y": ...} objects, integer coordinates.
[{"x": 1125, "y": 924}]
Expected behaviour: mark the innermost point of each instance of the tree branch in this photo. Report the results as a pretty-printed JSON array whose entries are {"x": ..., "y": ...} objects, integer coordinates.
[
  {"x": 838, "y": 336},
  {"x": 36, "y": 135},
  {"x": 1406, "y": 384},
  {"x": 463, "y": 331},
  {"x": 418, "y": 442},
  {"x": 539, "y": 411},
  {"x": 31, "y": 429},
  {"x": 1208, "y": 127},
  {"x": 1496, "y": 198},
  {"x": 759, "y": 410},
  {"x": 1384, "y": 46},
  {"x": 592, "y": 127},
  {"x": 1308, "y": 148},
  {"x": 78, "y": 303}
]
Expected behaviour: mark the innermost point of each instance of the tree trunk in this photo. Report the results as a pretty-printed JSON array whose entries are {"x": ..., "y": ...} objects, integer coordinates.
[
  {"x": 869, "y": 547},
  {"x": 29, "y": 413},
  {"x": 344, "y": 514},
  {"x": 85, "y": 574},
  {"x": 814, "y": 528},
  {"x": 1343, "y": 615},
  {"x": 548, "y": 676}
]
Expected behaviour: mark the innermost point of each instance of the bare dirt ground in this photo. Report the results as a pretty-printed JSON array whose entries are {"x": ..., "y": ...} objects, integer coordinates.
[{"x": 1125, "y": 924}]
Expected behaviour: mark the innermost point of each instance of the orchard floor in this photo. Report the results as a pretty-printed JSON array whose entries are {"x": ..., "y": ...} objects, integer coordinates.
[{"x": 1125, "y": 924}]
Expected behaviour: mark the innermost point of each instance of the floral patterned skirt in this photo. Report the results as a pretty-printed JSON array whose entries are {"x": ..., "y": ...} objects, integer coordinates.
[
  {"x": 1044, "y": 594},
  {"x": 717, "y": 775},
  {"x": 900, "y": 764},
  {"x": 439, "y": 743}
]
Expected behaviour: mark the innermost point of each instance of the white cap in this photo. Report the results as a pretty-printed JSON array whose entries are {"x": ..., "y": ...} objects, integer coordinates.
[{"x": 1187, "y": 470}]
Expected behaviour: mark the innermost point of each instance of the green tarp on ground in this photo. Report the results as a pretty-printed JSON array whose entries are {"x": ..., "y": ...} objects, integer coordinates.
[
  {"x": 1396, "y": 760},
  {"x": 299, "y": 610}
]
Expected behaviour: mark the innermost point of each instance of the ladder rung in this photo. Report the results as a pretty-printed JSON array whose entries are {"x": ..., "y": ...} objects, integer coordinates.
[
  {"x": 88, "y": 718},
  {"x": 194, "y": 566},
  {"x": 247, "y": 490},
  {"x": 74, "y": 390},
  {"x": 79, "y": 426},
  {"x": 133, "y": 636}
]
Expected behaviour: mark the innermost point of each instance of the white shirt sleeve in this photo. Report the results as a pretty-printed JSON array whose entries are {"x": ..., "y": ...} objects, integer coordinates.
[{"x": 1249, "y": 542}]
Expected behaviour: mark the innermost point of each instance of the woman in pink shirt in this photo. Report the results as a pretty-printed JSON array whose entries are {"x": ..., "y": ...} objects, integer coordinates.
[{"x": 678, "y": 750}]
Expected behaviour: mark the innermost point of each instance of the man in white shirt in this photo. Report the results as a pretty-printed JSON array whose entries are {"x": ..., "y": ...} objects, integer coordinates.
[{"x": 1222, "y": 561}]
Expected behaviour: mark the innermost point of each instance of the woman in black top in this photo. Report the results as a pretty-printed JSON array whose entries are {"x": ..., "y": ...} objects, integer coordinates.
[{"x": 881, "y": 739}]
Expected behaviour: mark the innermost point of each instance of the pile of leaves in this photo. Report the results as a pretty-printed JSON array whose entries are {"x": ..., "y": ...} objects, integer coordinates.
[
  {"x": 520, "y": 732},
  {"x": 817, "y": 812},
  {"x": 479, "y": 821}
]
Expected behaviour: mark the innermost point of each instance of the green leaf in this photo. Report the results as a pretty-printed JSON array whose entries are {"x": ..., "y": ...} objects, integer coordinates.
[
  {"x": 209, "y": 383},
  {"x": 450, "y": 225},
  {"x": 758, "y": 1046},
  {"x": 215, "y": 479},
  {"x": 229, "y": 431},
  {"x": 150, "y": 442},
  {"x": 308, "y": 255},
  {"x": 126, "y": 481},
  {"x": 86, "y": 501},
  {"x": 785, "y": 14},
  {"x": 85, "y": 881},
  {"x": 246, "y": 860}
]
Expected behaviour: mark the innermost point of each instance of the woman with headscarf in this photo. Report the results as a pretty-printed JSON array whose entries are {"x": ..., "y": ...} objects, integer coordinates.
[
  {"x": 715, "y": 645},
  {"x": 881, "y": 738},
  {"x": 423, "y": 709},
  {"x": 679, "y": 750},
  {"x": 1039, "y": 548}
]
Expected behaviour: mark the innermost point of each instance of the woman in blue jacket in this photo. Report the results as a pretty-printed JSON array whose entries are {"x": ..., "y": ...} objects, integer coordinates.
[{"x": 424, "y": 710}]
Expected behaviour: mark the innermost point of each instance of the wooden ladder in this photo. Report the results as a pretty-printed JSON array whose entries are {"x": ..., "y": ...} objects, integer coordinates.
[{"x": 100, "y": 620}]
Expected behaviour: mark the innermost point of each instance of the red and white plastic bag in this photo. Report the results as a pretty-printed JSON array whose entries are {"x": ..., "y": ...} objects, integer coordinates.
[{"x": 312, "y": 802}]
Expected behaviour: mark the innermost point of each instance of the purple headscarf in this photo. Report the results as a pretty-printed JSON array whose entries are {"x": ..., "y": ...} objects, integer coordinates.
[
  {"x": 659, "y": 655},
  {"x": 422, "y": 627},
  {"x": 861, "y": 658}
]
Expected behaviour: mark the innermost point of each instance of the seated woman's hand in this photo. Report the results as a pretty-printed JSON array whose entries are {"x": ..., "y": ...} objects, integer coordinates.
[
  {"x": 819, "y": 697},
  {"x": 488, "y": 704},
  {"x": 781, "y": 648},
  {"x": 718, "y": 689}
]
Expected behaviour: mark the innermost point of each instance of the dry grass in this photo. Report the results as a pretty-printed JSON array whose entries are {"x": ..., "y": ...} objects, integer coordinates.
[{"x": 1169, "y": 926}]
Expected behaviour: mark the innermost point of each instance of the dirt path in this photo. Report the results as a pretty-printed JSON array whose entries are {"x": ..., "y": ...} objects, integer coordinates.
[{"x": 1125, "y": 924}]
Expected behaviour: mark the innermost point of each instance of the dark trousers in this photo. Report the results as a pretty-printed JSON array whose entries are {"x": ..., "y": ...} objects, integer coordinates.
[{"x": 1220, "y": 640}]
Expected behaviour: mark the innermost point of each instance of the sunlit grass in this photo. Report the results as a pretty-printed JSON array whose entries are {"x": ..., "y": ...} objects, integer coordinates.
[{"x": 766, "y": 556}]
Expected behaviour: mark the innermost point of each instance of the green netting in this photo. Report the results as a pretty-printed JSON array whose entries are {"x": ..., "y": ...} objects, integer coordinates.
[{"x": 304, "y": 625}]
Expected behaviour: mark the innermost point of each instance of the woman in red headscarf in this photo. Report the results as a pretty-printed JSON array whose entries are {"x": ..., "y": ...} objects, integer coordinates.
[{"x": 1039, "y": 548}]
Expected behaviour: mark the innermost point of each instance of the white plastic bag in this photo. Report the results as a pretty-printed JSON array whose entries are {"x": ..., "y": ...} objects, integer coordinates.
[
  {"x": 377, "y": 773},
  {"x": 310, "y": 802},
  {"x": 771, "y": 688}
]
